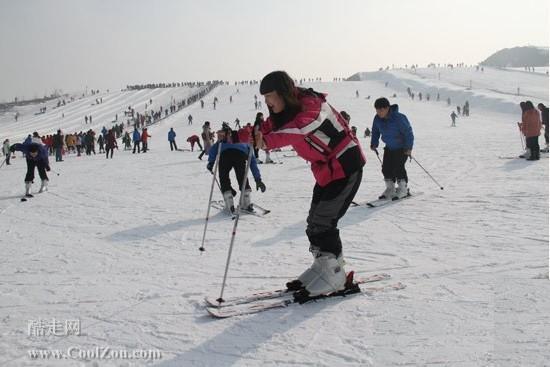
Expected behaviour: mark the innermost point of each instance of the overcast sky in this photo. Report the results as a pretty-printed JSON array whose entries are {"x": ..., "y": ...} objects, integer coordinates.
[{"x": 71, "y": 44}]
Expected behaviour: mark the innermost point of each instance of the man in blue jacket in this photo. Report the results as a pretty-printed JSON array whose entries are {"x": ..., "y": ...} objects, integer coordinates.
[
  {"x": 37, "y": 156},
  {"x": 136, "y": 138},
  {"x": 234, "y": 155},
  {"x": 172, "y": 139},
  {"x": 397, "y": 134}
]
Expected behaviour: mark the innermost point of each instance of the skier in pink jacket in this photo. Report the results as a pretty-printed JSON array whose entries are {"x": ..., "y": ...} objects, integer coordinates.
[{"x": 303, "y": 119}]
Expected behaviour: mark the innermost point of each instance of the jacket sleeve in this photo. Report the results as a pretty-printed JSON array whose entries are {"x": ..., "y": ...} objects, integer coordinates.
[
  {"x": 375, "y": 134},
  {"x": 213, "y": 152},
  {"x": 406, "y": 129},
  {"x": 254, "y": 168},
  {"x": 19, "y": 147}
]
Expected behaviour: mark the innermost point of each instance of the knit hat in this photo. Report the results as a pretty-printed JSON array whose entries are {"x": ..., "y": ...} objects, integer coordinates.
[{"x": 278, "y": 81}]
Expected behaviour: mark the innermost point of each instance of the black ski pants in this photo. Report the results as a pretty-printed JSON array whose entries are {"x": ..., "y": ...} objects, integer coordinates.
[
  {"x": 173, "y": 145},
  {"x": 236, "y": 160},
  {"x": 31, "y": 164},
  {"x": 393, "y": 165},
  {"x": 533, "y": 145},
  {"x": 328, "y": 205},
  {"x": 136, "y": 145}
]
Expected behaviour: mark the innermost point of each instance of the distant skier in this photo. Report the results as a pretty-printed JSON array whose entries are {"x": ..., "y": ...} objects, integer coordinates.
[
  {"x": 458, "y": 110},
  {"x": 453, "y": 118},
  {"x": 172, "y": 139},
  {"x": 190, "y": 120},
  {"x": 101, "y": 143},
  {"x": 303, "y": 119},
  {"x": 233, "y": 156},
  {"x": 37, "y": 157},
  {"x": 396, "y": 132}
]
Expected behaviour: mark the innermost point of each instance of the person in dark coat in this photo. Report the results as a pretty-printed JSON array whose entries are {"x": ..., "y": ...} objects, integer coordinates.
[
  {"x": 111, "y": 143},
  {"x": 37, "y": 157}
]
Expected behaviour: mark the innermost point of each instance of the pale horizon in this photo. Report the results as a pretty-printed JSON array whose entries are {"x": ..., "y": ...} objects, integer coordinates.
[{"x": 69, "y": 46}]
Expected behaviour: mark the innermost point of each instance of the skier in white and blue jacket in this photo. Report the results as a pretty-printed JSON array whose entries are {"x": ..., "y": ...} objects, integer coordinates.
[
  {"x": 396, "y": 132},
  {"x": 37, "y": 156},
  {"x": 234, "y": 155}
]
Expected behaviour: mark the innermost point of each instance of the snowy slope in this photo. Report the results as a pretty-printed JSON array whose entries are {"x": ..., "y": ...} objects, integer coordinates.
[
  {"x": 114, "y": 243},
  {"x": 70, "y": 118}
]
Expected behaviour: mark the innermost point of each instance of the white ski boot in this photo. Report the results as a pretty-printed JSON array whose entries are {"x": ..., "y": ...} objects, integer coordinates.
[
  {"x": 247, "y": 204},
  {"x": 526, "y": 154},
  {"x": 402, "y": 190},
  {"x": 329, "y": 275},
  {"x": 44, "y": 186},
  {"x": 312, "y": 272},
  {"x": 228, "y": 199},
  {"x": 390, "y": 190}
]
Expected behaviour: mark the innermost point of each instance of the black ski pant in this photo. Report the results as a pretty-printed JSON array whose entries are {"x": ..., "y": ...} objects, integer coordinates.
[
  {"x": 393, "y": 165},
  {"x": 533, "y": 145},
  {"x": 109, "y": 149},
  {"x": 328, "y": 205},
  {"x": 31, "y": 164},
  {"x": 236, "y": 160},
  {"x": 136, "y": 145},
  {"x": 546, "y": 132},
  {"x": 173, "y": 145}
]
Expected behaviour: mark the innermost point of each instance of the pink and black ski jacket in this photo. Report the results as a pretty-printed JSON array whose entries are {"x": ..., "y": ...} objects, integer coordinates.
[{"x": 319, "y": 135}]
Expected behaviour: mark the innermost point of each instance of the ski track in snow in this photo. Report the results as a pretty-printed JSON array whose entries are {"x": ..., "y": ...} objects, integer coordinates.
[{"x": 114, "y": 243}]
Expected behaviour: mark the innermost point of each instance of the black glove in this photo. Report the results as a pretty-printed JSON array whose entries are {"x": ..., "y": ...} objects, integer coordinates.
[
  {"x": 233, "y": 192},
  {"x": 260, "y": 185},
  {"x": 48, "y": 168},
  {"x": 210, "y": 167}
]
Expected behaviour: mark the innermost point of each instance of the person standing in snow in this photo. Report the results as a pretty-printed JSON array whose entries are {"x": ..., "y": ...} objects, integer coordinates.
[
  {"x": 57, "y": 144},
  {"x": 172, "y": 139},
  {"x": 544, "y": 116},
  {"x": 233, "y": 156},
  {"x": 37, "y": 157},
  {"x": 136, "y": 138},
  {"x": 6, "y": 151},
  {"x": 110, "y": 143},
  {"x": 303, "y": 119},
  {"x": 530, "y": 127},
  {"x": 396, "y": 132},
  {"x": 453, "y": 118},
  {"x": 206, "y": 136},
  {"x": 144, "y": 137}
]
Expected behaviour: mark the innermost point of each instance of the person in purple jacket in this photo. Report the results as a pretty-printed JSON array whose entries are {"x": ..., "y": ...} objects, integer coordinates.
[{"x": 37, "y": 156}]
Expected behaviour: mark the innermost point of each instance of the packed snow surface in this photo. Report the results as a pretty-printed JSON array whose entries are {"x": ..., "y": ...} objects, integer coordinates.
[{"x": 114, "y": 243}]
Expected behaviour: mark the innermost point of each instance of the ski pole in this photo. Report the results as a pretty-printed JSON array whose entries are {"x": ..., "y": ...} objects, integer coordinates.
[
  {"x": 441, "y": 187},
  {"x": 5, "y": 159},
  {"x": 234, "y": 232},
  {"x": 210, "y": 197},
  {"x": 521, "y": 138},
  {"x": 378, "y": 156}
]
